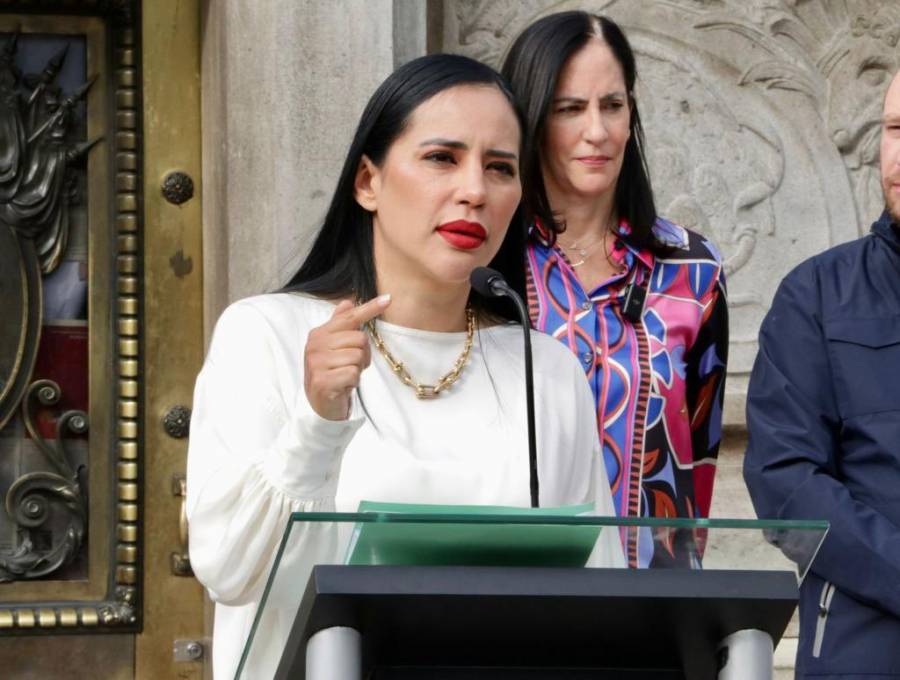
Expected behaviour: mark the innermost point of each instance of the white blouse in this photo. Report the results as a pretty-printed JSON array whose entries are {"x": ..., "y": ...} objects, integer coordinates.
[{"x": 258, "y": 452}]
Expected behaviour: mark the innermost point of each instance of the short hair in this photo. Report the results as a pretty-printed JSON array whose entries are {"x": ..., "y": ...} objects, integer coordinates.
[
  {"x": 532, "y": 68},
  {"x": 341, "y": 262}
]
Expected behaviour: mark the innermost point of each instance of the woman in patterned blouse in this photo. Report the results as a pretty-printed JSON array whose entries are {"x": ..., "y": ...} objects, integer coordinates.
[{"x": 640, "y": 300}]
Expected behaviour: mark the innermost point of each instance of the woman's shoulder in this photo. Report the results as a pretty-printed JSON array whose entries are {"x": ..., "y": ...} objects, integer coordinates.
[
  {"x": 549, "y": 355},
  {"x": 277, "y": 308},
  {"x": 685, "y": 244},
  {"x": 560, "y": 375},
  {"x": 274, "y": 305},
  {"x": 270, "y": 318},
  {"x": 549, "y": 346}
]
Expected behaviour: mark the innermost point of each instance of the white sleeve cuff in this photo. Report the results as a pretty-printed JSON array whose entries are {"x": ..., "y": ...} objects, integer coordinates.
[{"x": 308, "y": 452}]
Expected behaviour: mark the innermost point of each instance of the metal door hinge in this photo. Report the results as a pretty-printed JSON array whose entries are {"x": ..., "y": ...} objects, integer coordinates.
[{"x": 188, "y": 650}]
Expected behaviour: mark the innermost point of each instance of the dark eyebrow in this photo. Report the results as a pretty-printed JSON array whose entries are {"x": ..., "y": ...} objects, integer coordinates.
[
  {"x": 580, "y": 100},
  {"x": 452, "y": 144},
  {"x": 440, "y": 141},
  {"x": 567, "y": 100}
]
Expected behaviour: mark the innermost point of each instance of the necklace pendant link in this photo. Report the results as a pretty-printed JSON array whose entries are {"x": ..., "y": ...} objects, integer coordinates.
[{"x": 426, "y": 392}]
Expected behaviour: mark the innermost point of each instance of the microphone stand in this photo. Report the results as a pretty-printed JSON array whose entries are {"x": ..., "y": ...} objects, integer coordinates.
[{"x": 491, "y": 283}]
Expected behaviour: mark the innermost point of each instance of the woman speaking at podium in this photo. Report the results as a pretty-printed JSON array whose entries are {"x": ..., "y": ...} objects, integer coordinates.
[{"x": 379, "y": 374}]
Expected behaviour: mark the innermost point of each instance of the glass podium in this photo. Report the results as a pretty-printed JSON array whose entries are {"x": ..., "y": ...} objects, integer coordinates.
[{"x": 713, "y": 584}]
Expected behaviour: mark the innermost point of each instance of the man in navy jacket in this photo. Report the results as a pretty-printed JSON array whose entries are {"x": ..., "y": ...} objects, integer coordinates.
[{"x": 823, "y": 413}]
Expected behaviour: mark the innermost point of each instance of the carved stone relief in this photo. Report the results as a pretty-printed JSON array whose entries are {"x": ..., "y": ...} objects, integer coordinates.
[{"x": 762, "y": 123}]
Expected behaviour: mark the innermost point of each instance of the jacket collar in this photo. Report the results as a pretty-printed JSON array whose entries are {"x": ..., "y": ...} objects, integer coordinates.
[{"x": 885, "y": 227}]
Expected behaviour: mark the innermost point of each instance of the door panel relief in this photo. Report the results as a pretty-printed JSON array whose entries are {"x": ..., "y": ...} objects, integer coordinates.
[{"x": 70, "y": 319}]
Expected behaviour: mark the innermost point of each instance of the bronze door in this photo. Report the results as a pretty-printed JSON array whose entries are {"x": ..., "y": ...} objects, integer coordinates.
[{"x": 100, "y": 337}]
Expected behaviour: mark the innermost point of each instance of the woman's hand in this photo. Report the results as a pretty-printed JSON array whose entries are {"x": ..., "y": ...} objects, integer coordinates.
[{"x": 336, "y": 354}]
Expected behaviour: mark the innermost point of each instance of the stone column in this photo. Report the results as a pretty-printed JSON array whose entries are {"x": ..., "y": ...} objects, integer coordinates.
[{"x": 284, "y": 83}]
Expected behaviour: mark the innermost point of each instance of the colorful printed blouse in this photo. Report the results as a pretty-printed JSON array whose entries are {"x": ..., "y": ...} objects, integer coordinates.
[{"x": 658, "y": 384}]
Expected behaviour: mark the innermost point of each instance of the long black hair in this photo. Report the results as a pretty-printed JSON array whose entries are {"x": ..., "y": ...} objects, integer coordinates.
[
  {"x": 341, "y": 262},
  {"x": 532, "y": 68}
]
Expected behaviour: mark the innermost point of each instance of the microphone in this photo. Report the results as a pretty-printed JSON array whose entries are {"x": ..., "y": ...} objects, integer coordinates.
[{"x": 490, "y": 283}]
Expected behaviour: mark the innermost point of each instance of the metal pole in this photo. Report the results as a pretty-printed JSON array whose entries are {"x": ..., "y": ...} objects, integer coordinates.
[
  {"x": 334, "y": 654},
  {"x": 746, "y": 655}
]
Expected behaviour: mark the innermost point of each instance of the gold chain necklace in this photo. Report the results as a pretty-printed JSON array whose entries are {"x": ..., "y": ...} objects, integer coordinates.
[
  {"x": 582, "y": 250},
  {"x": 427, "y": 391},
  {"x": 585, "y": 252}
]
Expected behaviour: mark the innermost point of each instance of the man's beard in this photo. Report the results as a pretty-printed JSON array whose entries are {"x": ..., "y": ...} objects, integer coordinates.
[{"x": 891, "y": 202}]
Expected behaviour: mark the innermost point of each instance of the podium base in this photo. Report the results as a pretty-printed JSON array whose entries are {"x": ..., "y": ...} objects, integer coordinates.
[
  {"x": 334, "y": 654},
  {"x": 746, "y": 655}
]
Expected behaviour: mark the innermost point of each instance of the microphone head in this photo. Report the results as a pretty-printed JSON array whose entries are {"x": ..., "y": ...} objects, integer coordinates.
[{"x": 484, "y": 280}]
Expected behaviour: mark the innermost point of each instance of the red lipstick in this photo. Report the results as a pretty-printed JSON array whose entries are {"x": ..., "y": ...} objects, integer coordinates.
[
  {"x": 594, "y": 161},
  {"x": 463, "y": 234}
]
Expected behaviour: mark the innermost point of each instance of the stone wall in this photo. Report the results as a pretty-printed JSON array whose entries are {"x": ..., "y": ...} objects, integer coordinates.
[{"x": 761, "y": 119}]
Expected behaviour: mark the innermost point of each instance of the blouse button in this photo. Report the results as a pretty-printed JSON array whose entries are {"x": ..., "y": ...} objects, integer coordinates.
[
  {"x": 587, "y": 357},
  {"x": 587, "y": 305}
]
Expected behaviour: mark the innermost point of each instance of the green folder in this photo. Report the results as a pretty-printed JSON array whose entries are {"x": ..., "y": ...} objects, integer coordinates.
[{"x": 476, "y": 541}]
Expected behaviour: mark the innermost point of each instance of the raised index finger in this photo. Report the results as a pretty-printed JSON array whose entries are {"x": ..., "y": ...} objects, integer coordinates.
[{"x": 357, "y": 316}]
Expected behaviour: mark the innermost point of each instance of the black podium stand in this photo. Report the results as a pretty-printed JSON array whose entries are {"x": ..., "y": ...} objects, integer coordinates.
[{"x": 460, "y": 623}]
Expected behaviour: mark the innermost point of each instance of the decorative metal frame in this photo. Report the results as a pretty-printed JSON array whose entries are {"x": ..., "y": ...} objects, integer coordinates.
[{"x": 110, "y": 599}]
